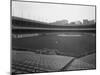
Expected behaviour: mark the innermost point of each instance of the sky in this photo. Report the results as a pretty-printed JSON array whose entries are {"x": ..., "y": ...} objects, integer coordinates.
[{"x": 52, "y": 12}]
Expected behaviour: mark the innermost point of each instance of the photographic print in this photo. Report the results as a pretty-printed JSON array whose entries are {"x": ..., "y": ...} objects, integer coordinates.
[{"x": 52, "y": 37}]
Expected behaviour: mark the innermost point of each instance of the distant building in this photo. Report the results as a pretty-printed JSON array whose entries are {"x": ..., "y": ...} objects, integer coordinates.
[
  {"x": 91, "y": 21},
  {"x": 78, "y": 22},
  {"x": 61, "y": 22},
  {"x": 85, "y": 21},
  {"x": 72, "y": 23},
  {"x": 64, "y": 21}
]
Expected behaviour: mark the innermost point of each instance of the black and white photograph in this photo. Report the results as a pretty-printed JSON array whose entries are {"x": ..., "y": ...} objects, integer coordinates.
[{"x": 52, "y": 37}]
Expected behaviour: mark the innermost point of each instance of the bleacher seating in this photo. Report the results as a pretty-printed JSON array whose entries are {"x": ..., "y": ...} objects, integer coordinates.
[{"x": 30, "y": 62}]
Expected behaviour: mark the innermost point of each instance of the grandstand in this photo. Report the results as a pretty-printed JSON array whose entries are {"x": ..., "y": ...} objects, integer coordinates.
[
  {"x": 24, "y": 62},
  {"x": 28, "y": 61}
]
